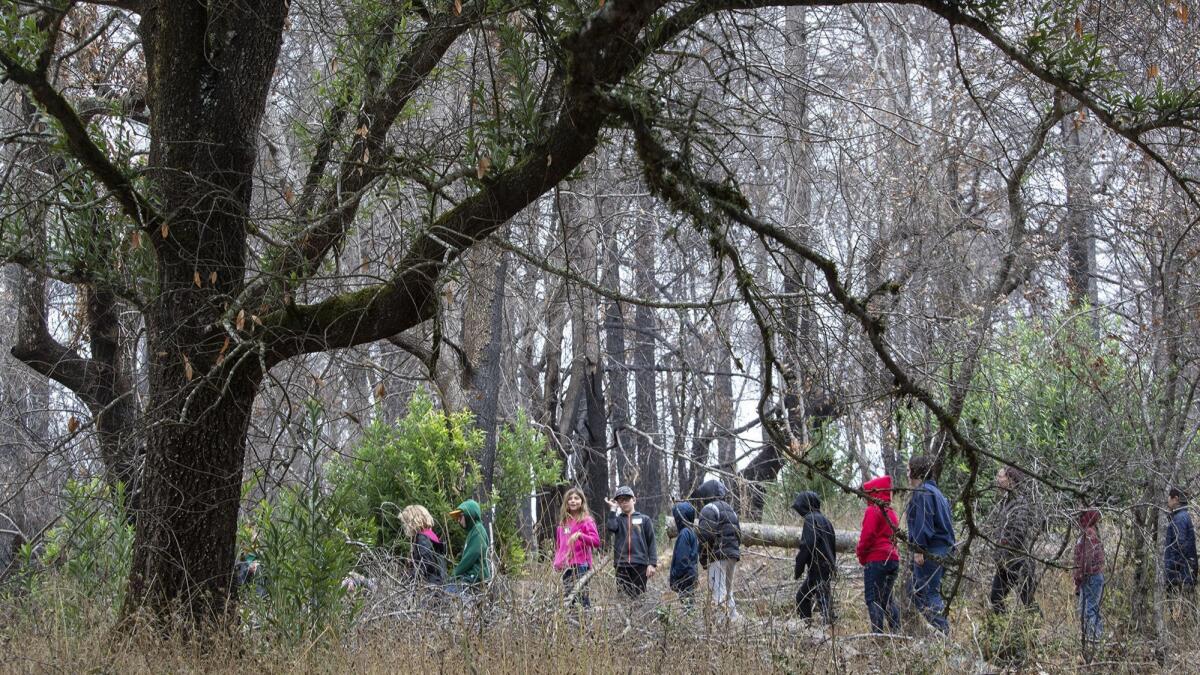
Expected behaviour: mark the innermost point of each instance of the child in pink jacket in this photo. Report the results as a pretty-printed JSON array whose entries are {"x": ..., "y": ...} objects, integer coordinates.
[{"x": 575, "y": 538}]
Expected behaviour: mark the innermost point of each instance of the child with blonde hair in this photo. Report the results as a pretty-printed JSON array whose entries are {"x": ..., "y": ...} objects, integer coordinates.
[{"x": 428, "y": 552}]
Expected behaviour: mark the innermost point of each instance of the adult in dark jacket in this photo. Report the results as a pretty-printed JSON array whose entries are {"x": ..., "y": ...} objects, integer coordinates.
[
  {"x": 1014, "y": 526},
  {"x": 635, "y": 557},
  {"x": 1179, "y": 550},
  {"x": 720, "y": 543},
  {"x": 931, "y": 537},
  {"x": 686, "y": 556},
  {"x": 817, "y": 555}
]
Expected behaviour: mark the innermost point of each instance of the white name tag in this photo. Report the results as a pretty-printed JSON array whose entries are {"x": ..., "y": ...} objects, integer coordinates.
[{"x": 637, "y": 521}]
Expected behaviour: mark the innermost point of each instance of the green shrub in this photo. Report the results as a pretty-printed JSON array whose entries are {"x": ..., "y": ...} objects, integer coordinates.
[
  {"x": 304, "y": 556},
  {"x": 92, "y": 545},
  {"x": 430, "y": 458},
  {"x": 426, "y": 458}
]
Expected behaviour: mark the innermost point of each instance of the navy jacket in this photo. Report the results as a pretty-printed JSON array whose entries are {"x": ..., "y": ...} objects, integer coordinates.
[
  {"x": 930, "y": 527},
  {"x": 686, "y": 556},
  {"x": 818, "y": 543},
  {"x": 1179, "y": 554}
]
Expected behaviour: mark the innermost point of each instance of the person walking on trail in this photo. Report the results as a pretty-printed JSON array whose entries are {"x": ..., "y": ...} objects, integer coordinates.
[
  {"x": 878, "y": 555},
  {"x": 685, "y": 558},
  {"x": 720, "y": 536},
  {"x": 472, "y": 568},
  {"x": 817, "y": 555},
  {"x": 931, "y": 536},
  {"x": 634, "y": 555},
  {"x": 428, "y": 551},
  {"x": 1014, "y": 528},
  {"x": 1179, "y": 549},
  {"x": 1088, "y": 574},
  {"x": 575, "y": 538}
]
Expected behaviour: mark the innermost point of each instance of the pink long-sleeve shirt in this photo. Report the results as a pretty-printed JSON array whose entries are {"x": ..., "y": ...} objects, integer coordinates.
[{"x": 580, "y": 552}]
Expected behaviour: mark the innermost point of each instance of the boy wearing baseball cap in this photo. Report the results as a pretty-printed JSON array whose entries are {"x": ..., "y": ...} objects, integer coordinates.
[{"x": 634, "y": 554}]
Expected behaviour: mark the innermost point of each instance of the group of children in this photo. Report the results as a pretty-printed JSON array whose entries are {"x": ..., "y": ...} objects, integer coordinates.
[{"x": 710, "y": 538}]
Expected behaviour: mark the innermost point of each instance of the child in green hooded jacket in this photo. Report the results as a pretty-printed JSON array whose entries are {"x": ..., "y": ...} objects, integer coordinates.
[{"x": 472, "y": 567}]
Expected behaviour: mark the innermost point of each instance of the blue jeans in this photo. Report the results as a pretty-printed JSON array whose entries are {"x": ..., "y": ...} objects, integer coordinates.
[
  {"x": 1090, "y": 592},
  {"x": 878, "y": 579},
  {"x": 927, "y": 592}
]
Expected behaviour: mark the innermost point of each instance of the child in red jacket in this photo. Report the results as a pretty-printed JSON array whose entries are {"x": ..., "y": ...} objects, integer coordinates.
[
  {"x": 1089, "y": 577},
  {"x": 878, "y": 555}
]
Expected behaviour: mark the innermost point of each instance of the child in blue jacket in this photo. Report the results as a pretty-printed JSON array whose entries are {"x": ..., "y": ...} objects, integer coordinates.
[{"x": 686, "y": 556}]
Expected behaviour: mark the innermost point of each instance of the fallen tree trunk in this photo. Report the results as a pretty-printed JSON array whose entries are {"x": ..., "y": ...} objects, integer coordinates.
[{"x": 783, "y": 536}]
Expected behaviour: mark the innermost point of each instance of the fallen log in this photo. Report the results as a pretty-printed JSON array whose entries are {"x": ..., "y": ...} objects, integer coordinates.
[{"x": 782, "y": 536}]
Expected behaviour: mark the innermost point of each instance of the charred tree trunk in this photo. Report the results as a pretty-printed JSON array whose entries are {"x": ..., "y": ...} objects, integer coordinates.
[
  {"x": 485, "y": 397},
  {"x": 650, "y": 488}
]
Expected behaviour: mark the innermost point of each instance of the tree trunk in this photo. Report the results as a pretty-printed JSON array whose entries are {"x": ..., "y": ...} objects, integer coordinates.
[
  {"x": 485, "y": 385},
  {"x": 204, "y": 134},
  {"x": 781, "y": 536},
  {"x": 618, "y": 367},
  {"x": 650, "y": 487}
]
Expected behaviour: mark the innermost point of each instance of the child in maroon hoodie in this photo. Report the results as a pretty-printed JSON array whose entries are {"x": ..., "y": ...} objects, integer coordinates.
[
  {"x": 1089, "y": 576},
  {"x": 878, "y": 555}
]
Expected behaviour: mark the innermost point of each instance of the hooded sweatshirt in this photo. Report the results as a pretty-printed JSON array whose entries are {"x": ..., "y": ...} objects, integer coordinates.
[
  {"x": 818, "y": 544},
  {"x": 719, "y": 529},
  {"x": 472, "y": 566},
  {"x": 876, "y": 542},
  {"x": 686, "y": 556},
  {"x": 1089, "y": 551}
]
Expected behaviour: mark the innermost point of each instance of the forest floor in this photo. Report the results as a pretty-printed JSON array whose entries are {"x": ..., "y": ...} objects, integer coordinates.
[{"x": 522, "y": 627}]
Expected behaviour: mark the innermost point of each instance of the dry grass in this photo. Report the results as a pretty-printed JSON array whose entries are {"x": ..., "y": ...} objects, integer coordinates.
[{"x": 525, "y": 629}]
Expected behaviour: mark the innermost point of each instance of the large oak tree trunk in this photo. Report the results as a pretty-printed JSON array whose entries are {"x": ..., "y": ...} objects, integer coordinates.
[{"x": 209, "y": 68}]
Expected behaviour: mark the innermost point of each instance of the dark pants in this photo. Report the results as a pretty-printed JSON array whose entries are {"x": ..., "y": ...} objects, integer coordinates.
[
  {"x": 631, "y": 579},
  {"x": 878, "y": 579},
  {"x": 685, "y": 588},
  {"x": 1018, "y": 573},
  {"x": 569, "y": 577},
  {"x": 927, "y": 592},
  {"x": 816, "y": 587}
]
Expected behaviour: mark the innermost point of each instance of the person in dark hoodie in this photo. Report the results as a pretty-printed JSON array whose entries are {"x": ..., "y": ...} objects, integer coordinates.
[
  {"x": 1179, "y": 549},
  {"x": 817, "y": 555},
  {"x": 720, "y": 543},
  {"x": 877, "y": 554},
  {"x": 472, "y": 568},
  {"x": 1088, "y": 574},
  {"x": 428, "y": 551},
  {"x": 634, "y": 554},
  {"x": 1014, "y": 527},
  {"x": 931, "y": 537},
  {"x": 685, "y": 558}
]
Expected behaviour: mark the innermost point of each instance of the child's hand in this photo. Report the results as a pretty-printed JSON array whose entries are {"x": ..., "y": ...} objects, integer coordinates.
[
  {"x": 650, "y": 571},
  {"x": 574, "y": 536},
  {"x": 612, "y": 503}
]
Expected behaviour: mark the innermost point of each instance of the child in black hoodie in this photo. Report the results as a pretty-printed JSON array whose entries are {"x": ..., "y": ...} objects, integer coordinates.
[{"x": 818, "y": 555}]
